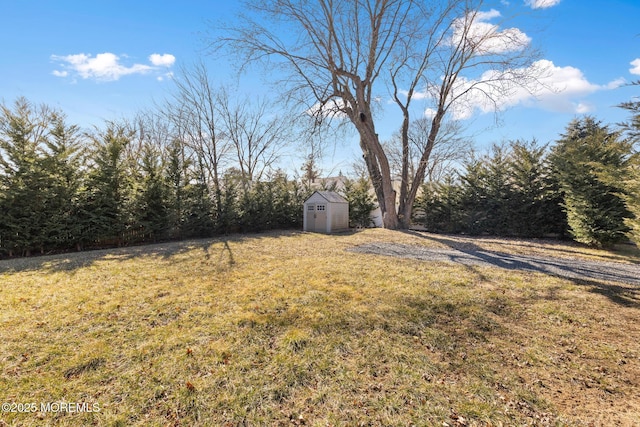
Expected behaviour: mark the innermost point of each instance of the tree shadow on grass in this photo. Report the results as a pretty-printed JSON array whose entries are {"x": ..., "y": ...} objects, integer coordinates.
[
  {"x": 625, "y": 295},
  {"x": 69, "y": 262},
  {"x": 618, "y": 282},
  {"x": 72, "y": 261}
]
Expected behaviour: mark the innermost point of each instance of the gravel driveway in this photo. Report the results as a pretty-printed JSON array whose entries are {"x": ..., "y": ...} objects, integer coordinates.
[{"x": 563, "y": 267}]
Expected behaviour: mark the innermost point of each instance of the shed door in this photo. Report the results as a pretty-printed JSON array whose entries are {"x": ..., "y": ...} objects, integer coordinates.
[{"x": 317, "y": 217}]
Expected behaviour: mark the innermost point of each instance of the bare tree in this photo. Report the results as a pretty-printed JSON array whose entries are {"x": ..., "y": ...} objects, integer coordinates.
[
  {"x": 340, "y": 55},
  {"x": 154, "y": 129},
  {"x": 254, "y": 132},
  {"x": 450, "y": 148},
  {"x": 193, "y": 111}
]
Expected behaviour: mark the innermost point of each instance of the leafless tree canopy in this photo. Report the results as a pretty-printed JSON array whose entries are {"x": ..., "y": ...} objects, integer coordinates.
[
  {"x": 255, "y": 133},
  {"x": 449, "y": 150},
  {"x": 339, "y": 56},
  {"x": 217, "y": 128}
]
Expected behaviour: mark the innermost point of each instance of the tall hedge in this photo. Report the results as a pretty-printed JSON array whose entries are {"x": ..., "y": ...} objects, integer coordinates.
[
  {"x": 585, "y": 159},
  {"x": 631, "y": 176},
  {"x": 508, "y": 192},
  {"x": 63, "y": 189}
]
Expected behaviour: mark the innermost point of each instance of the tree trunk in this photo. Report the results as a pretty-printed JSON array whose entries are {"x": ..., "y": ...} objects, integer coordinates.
[
  {"x": 406, "y": 205},
  {"x": 380, "y": 173},
  {"x": 390, "y": 216},
  {"x": 404, "y": 209}
]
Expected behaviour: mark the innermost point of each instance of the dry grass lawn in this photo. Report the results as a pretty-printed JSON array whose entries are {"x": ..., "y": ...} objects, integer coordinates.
[{"x": 290, "y": 328}]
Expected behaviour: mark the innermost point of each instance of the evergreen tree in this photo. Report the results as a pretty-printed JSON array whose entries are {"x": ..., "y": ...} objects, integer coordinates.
[
  {"x": 632, "y": 177},
  {"x": 498, "y": 194},
  {"x": 487, "y": 194},
  {"x": 632, "y": 197},
  {"x": 228, "y": 220},
  {"x": 283, "y": 197},
  {"x": 107, "y": 199},
  {"x": 361, "y": 201},
  {"x": 310, "y": 171},
  {"x": 258, "y": 207},
  {"x": 473, "y": 197},
  {"x": 152, "y": 210},
  {"x": 176, "y": 172},
  {"x": 63, "y": 164},
  {"x": 22, "y": 177},
  {"x": 439, "y": 207},
  {"x": 199, "y": 208},
  {"x": 299, "y": 194},
  {"x": 535, "y": 206},
  {"x": 586, "y": 155},
  {"x": 632, "y": 127},
  {"x": 510, "y": 191}
]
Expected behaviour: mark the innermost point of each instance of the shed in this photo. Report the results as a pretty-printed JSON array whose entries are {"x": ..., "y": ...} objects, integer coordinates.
[{"x": 326, "y": 212}]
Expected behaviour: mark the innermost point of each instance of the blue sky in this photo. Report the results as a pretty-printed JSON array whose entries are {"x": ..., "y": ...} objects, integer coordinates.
[{"x": 106, "y": 59}]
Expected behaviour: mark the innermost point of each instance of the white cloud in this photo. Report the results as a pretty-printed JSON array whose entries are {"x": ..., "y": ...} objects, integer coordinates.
[
  {"x": 334, "y": 108},
  {"x": 563, "y": 88},
  {"x": 583, "y": 108},
  {"x": 487, "y": 38},
  {"x": 162, "y": 77},
  {"x": 164, "y": 60},
  {"x": 430, "y": 113},
  {"x": 541, "y": 4},
  {"x": 106, "y": 66},
  {"x": 558, "y": 89},
  {"x": 486, "y": 16},
  {"x": 636, "y": 67},
  {"x": 614, "y": 84}
]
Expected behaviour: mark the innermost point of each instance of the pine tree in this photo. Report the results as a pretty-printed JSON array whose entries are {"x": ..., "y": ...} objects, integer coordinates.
[
  {"x": 632, "y": 197},
  {"x": 63, "y": 164},
  {"x": 152, "y": 211},
  {"x": 176, "y": 171},
  {"x": 107, "y": 199},
  {"x": 632, "y": 177},
  {"x": 487, "y": 193},
  {"x": 283, "y": 197},
  {"x": 439, "y": 206},
  {"x": 584, "y": 159},
  {"x": 535, "y": 207},
  {"x": 361, "y": 201},
  {"x": 22, "y": 178},
  {"x": 310, "y": 171},
  {"x": 228, "y": 220},
  {"x": 509, "y": 191},
  {"x": 199, "y": 208},
  {"x": 499, "y": 192}
]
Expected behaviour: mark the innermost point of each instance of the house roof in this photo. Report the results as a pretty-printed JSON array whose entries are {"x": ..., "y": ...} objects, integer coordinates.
[
  {"x": 330, "y": 196},
  {"x": 333, "y": 182}
]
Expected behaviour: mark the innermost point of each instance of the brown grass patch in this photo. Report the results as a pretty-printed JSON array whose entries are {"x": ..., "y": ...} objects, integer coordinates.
[{"x": 289, "y": 329}]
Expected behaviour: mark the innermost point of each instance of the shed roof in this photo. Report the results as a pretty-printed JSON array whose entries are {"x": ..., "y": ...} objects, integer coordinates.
[{"x": 330, "y": 196}]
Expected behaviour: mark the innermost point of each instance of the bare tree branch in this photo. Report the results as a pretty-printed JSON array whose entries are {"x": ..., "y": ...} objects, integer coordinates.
[{"x": 341, "y": 54}]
